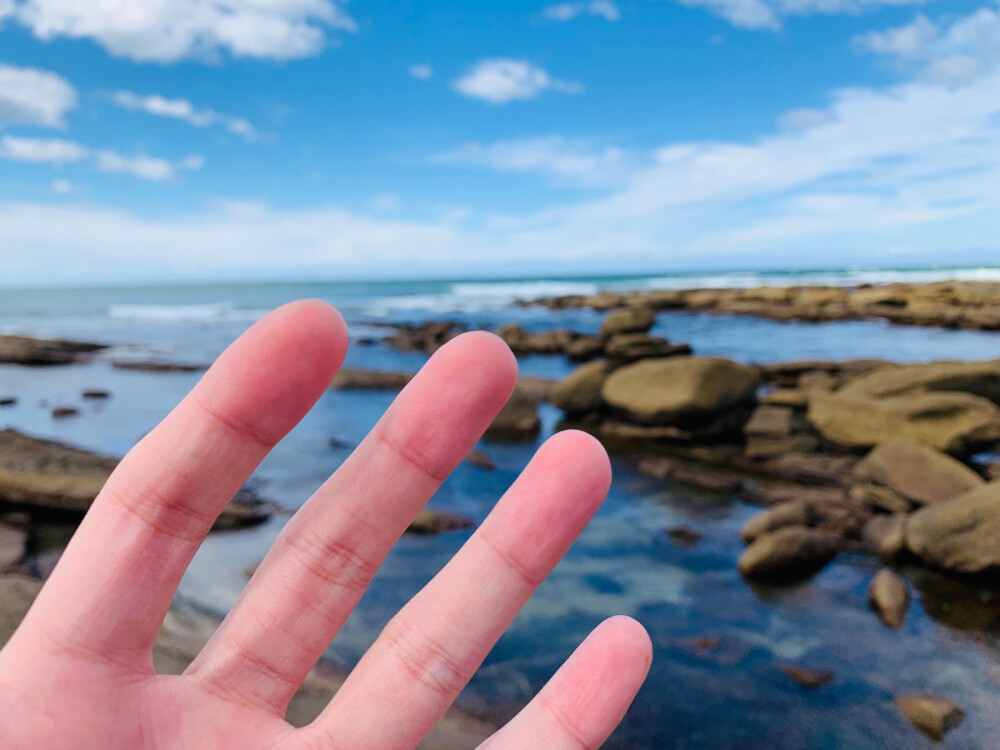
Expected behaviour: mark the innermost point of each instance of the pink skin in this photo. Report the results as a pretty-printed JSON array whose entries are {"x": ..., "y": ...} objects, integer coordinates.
[{"x": 78, "y": 673}]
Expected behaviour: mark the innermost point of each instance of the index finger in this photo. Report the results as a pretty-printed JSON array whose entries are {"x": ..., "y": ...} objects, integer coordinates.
[{"x": 116, "y": 579}]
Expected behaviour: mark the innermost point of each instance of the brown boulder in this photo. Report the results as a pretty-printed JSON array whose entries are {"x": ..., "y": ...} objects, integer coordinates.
[
  {"x": 889, "y": 597},
  {"x": 918, "y": 472},
  {"x": 677, "y": 390},
  {"x": 12, "y": 545},
  {"x": 23, "y": 350},
  {"x": 518, "y": 420},
  {"x": 962, "y": 536},
  {"x": 580, "y": 391},
  {"x": 429, "y": 521},
  {"x": 627, "y": 320},
  {"x": 52, "y": 478},
  {"x": 808, "y": 678},
  {"x": 956, "y": 423},
  {"x": 931, "y": 714},
  {"x": 348, "y": 379},
  {"x": 977, "y": 378},
  {"x": 794, "y": 513},
  {"x": 790, "y": 553},
  {"x": 630, "y": 347}
]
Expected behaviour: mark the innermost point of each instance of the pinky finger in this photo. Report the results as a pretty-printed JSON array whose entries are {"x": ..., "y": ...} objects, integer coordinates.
[{"x": 586, "y": 699}]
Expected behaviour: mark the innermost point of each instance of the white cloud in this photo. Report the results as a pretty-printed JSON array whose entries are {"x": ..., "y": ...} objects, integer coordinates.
[
  {"x": 41, "y": 150},
  {"x": 145, "y": 167},
  {"x": 57, "y": 151},
  {"x": 571, "y": 162},
  {"x": 29, "y": 96},
  {"x": 169, "y": 30},
  {"x": 421, "y": 71},
  {"x": 62, "y": 187},
  {"x": 503, "y": 80},
  {"x": 951, "y": 55},
  {"x": 605, "y": 9},
  {"x": 769, "y": 14},
  {"x": 182, "y": 109}
]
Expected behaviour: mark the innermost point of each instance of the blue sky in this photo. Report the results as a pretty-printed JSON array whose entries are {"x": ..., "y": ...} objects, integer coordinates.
[{"x": 252, "y": 139}]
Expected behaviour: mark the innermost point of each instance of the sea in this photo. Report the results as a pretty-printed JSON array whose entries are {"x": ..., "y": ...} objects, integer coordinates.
[{"x": 732, "y": 694}]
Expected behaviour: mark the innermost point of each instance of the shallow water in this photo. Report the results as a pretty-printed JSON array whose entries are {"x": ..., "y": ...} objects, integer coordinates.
[{"x": 732, "y": 696}]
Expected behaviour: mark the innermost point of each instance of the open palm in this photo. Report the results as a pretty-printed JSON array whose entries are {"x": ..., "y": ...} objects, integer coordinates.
[{"x": 78, "y": 674}]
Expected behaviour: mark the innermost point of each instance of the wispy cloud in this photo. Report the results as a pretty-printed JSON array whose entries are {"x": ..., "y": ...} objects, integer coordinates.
[
  {"x": 169, "y": 30},
  {"x": 29, "y": 96},
  {"x": 57, "y": 152},
  {"x": 605, "y": 9},
  {"x": 570, "y": 162},
  {"x": 769, "y": 14},
  {"x": 503, "y": 80},
  {"x": 185, "y": 111},
  {"x": 421, "y": 71}
]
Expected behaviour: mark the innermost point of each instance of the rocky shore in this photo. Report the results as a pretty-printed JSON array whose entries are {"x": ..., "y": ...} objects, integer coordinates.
[{"x": 973, "y": 305}]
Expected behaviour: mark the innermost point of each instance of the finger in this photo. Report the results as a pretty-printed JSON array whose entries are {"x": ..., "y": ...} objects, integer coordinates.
[
  {"x": 114, "y": 584},
  {"x": 324, "y": 559},
  {"x": 428, "y": 652},
  {"x": 586, "y": 699}
]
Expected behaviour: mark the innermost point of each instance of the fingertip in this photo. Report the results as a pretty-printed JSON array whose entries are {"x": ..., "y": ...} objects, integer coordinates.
[
  {"x": 322, "y": 330},
  {"x": 628, "y": 640},
  {"x": 491, "y": 353},
  {"x": 585, "y": 453}
]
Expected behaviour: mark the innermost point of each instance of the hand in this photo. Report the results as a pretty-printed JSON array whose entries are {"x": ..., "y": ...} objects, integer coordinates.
[{"x": 78, "y": 673}]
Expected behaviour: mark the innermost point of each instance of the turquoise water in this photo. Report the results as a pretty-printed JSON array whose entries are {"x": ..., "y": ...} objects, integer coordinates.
[{"x": 731, "y": 697}]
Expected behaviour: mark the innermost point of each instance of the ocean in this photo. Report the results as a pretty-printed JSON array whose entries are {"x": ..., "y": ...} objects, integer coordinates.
[{"x": 733, "y": 696}]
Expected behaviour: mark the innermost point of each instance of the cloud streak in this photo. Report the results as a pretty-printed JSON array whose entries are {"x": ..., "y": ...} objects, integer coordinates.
[{"x": 185, "y": 111}]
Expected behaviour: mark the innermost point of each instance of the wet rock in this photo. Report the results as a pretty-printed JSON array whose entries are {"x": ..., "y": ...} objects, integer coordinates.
[
  {"x": 931, "y": 714},
  {"x": 17, "y": 593},
  {"x": 373, "y": 380},
  {"x": 580, "y": 391},
  {"x": 158, "y": 366},
  {"x": 702, "y": 477},
  {"x": 790, "y": 553},
  {"x": 678, "y": 390},
  {"x": 627, "y": 320},
  {"x": 22, "y": 350},
  {"x": 976, "y": 378},
  {"x": 428, "y": 337},
  {"x": 778, "y": 430},
  {"x": 480, "y": 459},
  {"x": 810, "y": 469},
  {"x": 584, "y": 348},
  {"x": 96, "y": 394},
  {"x": 523, "y": 342},
  {"x": 880, "y": 498},
  {"x": 429, "y": 521},
  {"x": 631, "y": 347},
  {"x": 955, "y": 423},
  {"x": 13, "y": 542},
  {"x": 52, "y": 479},
  {"x": 684, "y": 536},
  {"x": 889, "y": 597},
  {"x": 962, "y": 536},
  {"x": 339, "y": 443},
  {"x": 777, "y": 493},
  {"x": 884, "y": 536},
  {"x": 517, "y": 421},
  {"x": 61, "y": 412},
  {"x": 537, "y": 389},
  {"x": 791, "y": 397},
  {"x": 918, "y": 472},
  {"x": 808, "y": 678},
  {"x": 8, "y": 400},
  {"x": 794, "y": 513}
]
